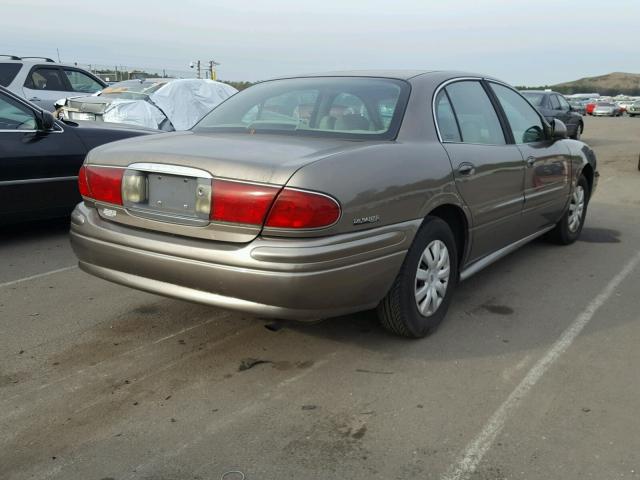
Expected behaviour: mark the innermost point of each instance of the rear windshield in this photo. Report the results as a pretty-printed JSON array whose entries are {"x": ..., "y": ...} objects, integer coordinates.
[
  {"x": 534, "y": 98},
  {"x": 346, "y": 107},
  {"x": 8, "y": 72}
]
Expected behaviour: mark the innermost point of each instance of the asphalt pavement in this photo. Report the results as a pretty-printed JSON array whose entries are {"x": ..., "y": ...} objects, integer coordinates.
[{"x": 533, "y": 375}]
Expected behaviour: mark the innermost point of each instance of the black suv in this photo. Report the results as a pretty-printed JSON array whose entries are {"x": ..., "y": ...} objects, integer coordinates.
[{"x": 554, "y": 105}]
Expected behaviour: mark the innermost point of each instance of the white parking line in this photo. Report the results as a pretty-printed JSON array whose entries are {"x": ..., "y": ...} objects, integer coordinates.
[
  {"x": 32, "y": 277},
  {"x": 475, "y": 451}
]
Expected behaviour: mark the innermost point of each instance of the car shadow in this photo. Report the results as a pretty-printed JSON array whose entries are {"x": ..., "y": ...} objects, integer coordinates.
[
  {"x": 492, "y": 314},
  {"x": 599, "y": 235},
  {"x": 20, "y": 231}
]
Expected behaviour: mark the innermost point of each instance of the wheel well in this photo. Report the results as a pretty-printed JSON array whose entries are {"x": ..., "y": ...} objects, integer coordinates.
[
  {"x": 457, "y": 221},
  {"x": 587, "y": 171}
]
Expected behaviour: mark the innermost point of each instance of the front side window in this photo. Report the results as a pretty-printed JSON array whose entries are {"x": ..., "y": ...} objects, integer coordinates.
[
  {"x": 446, "y": 119},
  {"x": 8, "y": 72},
  {"x": 14, "y": 116},
  {"x": 81, "y": 82},
  {"x": 555, "y": 104},
  {"x": 564, "y": 105},
  {"x": 46, "y": 79},
  {"x": 349, "y": 107},
  {"x": 526, "y": 125},
  {"x": 476, "y": 116}
]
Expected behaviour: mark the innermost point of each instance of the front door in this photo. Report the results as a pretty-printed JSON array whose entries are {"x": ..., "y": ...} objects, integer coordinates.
[
  {"x": 548, "y": 162},
  {"x": 38, "y": 169}
]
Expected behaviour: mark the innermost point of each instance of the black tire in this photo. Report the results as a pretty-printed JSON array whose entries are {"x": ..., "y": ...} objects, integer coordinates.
[
  {"x": 398, "y": 311},
  {"x": 562, "y": 234}
]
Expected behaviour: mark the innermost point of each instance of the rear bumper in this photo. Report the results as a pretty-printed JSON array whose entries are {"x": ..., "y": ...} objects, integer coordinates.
[{"x": 302, "y": 279}]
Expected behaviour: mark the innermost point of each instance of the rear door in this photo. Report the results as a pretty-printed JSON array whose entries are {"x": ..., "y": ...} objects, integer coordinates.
[
  {"x": 488, "y": 171},
  {"x": 44, "y": 85},
  {"x": 38, "y": 170},
  {"x": 548, "y": 162}
]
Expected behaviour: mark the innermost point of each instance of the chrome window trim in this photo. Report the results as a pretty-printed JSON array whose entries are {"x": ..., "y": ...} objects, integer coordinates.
[{"x": 38, "y": 180}]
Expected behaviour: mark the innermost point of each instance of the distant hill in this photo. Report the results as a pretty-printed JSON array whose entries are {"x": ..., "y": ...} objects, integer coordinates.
[{"x": 609, "y": 84}]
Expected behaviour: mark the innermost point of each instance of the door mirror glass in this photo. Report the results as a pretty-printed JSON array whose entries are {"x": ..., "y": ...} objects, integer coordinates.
[
  {"x": 558, "y": 129},
  {"x": 46, "y": 121}
]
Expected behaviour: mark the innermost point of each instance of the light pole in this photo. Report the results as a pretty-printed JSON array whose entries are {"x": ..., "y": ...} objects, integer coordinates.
[{"x": 212, "y": 69}]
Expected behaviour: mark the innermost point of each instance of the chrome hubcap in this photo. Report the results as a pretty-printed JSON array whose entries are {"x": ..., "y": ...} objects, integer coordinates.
[
  {"x": 576, "y": 209},
  {"x": 432, "y": 277}
]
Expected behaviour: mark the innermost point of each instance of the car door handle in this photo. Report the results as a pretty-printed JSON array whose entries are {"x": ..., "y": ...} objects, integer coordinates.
[
  {"x": 34, "y": 99},
  {"x": 531, "y": 161},
  {"x": 466, "y": 169}
]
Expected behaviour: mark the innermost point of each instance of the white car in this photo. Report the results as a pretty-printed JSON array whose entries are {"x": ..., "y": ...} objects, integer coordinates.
[
  {"x": 43, "y": 81},
  {"x": 160, "y": 103}
]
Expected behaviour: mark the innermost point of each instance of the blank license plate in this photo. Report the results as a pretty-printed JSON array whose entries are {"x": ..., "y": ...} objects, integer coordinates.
[{"x": 172, "y": 194}]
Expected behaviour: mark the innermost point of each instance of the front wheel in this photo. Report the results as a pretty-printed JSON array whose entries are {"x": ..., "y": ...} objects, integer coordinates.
[
  {"x": 568, "y": 229},
  {"x": 421, "y": 293},
  {"x": 579, "y": 130}
]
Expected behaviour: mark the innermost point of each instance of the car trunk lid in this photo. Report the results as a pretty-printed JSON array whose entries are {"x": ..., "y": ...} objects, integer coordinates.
[{"x": 173, "y": 176}]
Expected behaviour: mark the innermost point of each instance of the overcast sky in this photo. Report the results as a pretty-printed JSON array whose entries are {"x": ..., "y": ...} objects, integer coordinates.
[{"x": 522, "y": 42}]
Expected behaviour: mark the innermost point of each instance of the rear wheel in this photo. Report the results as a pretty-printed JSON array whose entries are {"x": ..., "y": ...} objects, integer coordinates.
[
  {"x": 421, "y": 293},
  {"x": 568, "y": 229}
]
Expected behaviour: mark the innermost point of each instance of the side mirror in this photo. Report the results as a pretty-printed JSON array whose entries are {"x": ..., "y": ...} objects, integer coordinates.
[
  {"x": 46, "y": 121},
  {"x": 558, "y": 129}
]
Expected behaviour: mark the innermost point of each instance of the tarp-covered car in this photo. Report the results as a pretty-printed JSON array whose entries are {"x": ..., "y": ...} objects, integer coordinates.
[{"x": 161, "y": 103}]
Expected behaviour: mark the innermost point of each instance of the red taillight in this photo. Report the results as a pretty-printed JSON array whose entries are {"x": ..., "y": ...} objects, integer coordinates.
[
  {"x": 239, "y": 202},
  {"x": 83, "y": 186},
  {"x": 103, "y": 184},
  {"x": 302, "y": 209}
]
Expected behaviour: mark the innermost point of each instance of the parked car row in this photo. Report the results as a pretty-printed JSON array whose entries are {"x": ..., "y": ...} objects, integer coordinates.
[
  {"x": 166, "y": 104},
  {"x": 40, "y": 157},
  {"x": 43, "y": 81}
]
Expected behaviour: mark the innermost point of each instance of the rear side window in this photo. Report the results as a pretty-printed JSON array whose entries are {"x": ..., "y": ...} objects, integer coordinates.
[
  {"x": 476, "y": 116},
  {"x": 8, "y": 72},
  {"x": 555, "y": 104},
  {"x": 46, "y": 79},
  {"x": 81, "y": 82},
  {"x": 525, "y": 123},
  {"x": 446, "y": 119}
]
